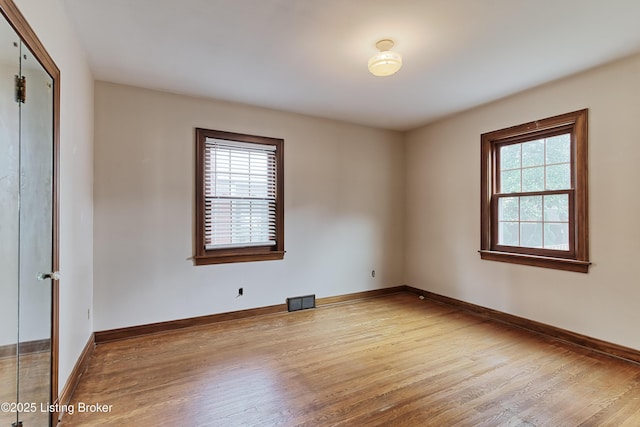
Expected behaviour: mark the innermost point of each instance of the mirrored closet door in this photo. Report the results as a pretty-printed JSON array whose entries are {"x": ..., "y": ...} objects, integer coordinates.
[{"x": 27, "y": 218}]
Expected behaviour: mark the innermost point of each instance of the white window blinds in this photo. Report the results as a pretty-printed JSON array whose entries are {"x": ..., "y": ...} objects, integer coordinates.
[{"x": 240, "y": 194}]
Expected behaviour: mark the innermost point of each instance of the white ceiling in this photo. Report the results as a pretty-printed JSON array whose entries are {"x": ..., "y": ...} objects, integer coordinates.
[{"x": 310, "y": 56}]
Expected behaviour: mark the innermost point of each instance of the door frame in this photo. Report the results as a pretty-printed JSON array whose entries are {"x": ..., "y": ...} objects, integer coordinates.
[{"x": 12, "y": 14}]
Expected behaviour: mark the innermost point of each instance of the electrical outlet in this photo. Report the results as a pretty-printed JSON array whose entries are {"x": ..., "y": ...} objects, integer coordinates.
[
  {"x": 240, "y": 292},
  {"x": 373, "y": 273},
  {"x": 88, "y": 314}
]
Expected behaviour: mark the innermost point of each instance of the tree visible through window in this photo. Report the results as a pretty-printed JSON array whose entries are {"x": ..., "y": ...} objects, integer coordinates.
[
  {"x": 239, "y": 206},
  {"x": 534, "y": 181}
]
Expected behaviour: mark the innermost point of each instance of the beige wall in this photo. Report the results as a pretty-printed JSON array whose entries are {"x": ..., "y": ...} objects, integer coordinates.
[
  {"x": 50, "y": 23},
  {"x": 343, "y": 209},
  {"x": 443, "y": 209}
]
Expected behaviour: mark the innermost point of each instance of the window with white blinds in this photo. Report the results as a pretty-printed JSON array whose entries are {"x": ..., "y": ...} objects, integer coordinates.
[
  {"x": 240, "y": 194},
  {"x": 239, "y": 204}
]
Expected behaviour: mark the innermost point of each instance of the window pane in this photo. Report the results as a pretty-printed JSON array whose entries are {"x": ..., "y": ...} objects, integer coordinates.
[
  {"x": 510, "y": 157},
  {"x": 508, "y": 209},
  {"x": 531, "y": 234},
  {"x": 556, "y": 236},
  {"x": 243, "y": 221},
  {"x": 240, "y": 187},
  {"x": 559, "y": 149},
  {"x": 533, "y": 179},
  {"x": 556, "y": 208},
  {"x": 510, "y": 181},
  {"x": 531, "y": 208},
  {"x": 533, "y": 153},
  {"x": 559, "y": 177},
  {"x": 508, "y": 234}
]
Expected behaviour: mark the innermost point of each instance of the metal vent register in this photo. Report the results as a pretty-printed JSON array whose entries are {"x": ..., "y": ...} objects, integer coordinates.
[{"x": 301, "y": 303}]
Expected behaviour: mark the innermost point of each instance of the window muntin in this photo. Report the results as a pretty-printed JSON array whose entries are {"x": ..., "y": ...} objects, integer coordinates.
[
  {"x": 239, "y": 197},
  {"x": 534, "y": 221},
  {"x": 534, "y": 193},
  {"x": 534, "y": 187}
]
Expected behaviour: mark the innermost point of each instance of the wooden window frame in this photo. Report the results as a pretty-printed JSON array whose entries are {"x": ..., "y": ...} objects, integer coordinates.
[
  {"x": 204, "y": 256},
  {"x": 577, "y": 257}
]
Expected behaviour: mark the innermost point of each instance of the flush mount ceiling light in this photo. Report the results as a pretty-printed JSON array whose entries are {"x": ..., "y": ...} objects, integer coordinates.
[{"x": 385, "y": 62}]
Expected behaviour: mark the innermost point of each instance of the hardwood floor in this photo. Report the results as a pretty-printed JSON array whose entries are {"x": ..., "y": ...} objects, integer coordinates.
[
  {"x": 33, "y": 388},
  {"x": 392, "y": 361}
]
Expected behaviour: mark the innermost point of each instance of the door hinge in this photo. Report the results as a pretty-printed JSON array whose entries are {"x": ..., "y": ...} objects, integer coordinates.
[{"x": 21, "y": 89}]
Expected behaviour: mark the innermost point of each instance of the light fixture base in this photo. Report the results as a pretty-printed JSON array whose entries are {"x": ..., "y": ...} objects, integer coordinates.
[{"x": 384, "y": 45}]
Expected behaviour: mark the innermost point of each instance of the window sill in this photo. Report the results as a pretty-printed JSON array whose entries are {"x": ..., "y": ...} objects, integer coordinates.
[
  {"x": 237, "y": 257},
  {"x": 537, "y": 261}
]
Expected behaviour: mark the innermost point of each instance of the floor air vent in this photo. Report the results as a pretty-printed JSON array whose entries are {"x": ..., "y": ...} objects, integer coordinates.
[{"x": 301, "y": 303}]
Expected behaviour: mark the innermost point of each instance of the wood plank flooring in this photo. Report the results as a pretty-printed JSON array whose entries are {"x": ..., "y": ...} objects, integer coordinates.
[
  {"x": 33, "y": 388},
  {"x": 388, "y": 361}
]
